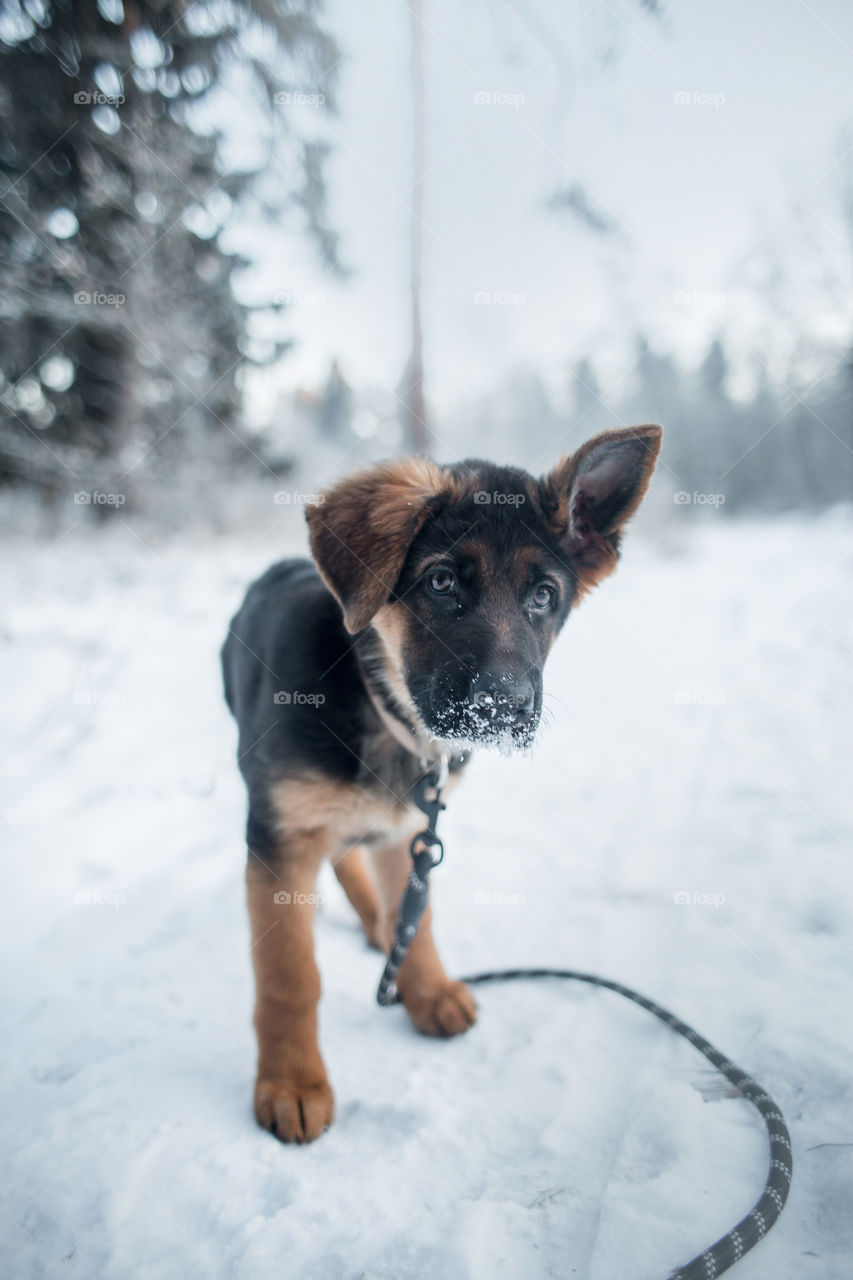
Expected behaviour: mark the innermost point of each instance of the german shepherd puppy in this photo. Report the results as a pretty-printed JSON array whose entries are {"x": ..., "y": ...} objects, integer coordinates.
[{"x": 421, "y": 628}]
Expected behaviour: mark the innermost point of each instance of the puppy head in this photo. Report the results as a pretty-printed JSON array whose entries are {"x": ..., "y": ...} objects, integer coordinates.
[{"x": 467, "y": 573}]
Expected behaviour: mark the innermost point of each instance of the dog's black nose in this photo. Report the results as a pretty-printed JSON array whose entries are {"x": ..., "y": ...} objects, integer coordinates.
[{"x": 503, "y": 696}]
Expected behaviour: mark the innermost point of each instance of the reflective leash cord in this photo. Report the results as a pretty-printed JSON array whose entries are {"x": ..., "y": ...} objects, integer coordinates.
[{"x": 743, "y": 1237}]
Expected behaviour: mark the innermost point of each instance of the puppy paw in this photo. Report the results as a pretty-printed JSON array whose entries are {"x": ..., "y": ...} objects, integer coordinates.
[
  {"x": 447, "y": 1011},
  {"x": 294, "y": 1111}
]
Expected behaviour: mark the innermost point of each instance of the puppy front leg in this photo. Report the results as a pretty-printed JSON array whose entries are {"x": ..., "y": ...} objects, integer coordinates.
[
  {"x": 436, "y": 1004},
  {"x": 292, "y": 1094}
]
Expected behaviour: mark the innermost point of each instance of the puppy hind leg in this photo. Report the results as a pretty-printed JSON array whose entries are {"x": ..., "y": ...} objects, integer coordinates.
[{"x": 357, "y": 883}]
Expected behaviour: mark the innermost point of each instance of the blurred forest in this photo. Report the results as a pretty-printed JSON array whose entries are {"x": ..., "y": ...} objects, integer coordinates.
[
  {"x": 122, "y": 339},
  {"x": 784, "y": 447},
  {"x": 124, "y": 348}
]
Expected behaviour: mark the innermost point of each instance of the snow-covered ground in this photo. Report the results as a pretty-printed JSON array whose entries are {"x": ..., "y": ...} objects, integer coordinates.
[{"x": 698, "y": 746}]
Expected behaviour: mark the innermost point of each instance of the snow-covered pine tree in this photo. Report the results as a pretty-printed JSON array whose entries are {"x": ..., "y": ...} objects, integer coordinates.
[{"x": 120, "y": 335}]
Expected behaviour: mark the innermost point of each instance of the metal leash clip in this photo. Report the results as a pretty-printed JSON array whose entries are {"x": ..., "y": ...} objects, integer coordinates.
[{"x": 433, "y": 781}]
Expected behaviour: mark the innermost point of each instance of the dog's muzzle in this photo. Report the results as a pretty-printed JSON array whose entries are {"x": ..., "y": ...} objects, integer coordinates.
[{"x": 495, "y": 707}]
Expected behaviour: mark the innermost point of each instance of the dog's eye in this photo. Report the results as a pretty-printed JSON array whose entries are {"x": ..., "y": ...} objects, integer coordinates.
[
  {"x": 543, "y": 597},
  {"x": 441, "y": 582}
]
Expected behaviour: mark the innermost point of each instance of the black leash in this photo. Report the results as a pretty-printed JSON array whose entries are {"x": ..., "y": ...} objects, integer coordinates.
[
  {"x": 427, "y": 796},
  {"x": 427, "y": 852}
]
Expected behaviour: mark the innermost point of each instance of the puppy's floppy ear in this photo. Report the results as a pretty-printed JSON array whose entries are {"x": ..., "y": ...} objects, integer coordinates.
[
  {"x": 361, "y": 531},
  {"x": 589, "y": 496}
]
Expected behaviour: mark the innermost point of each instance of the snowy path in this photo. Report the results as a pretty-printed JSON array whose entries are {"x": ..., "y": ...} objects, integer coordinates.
[{"x": 698, "y": 743}]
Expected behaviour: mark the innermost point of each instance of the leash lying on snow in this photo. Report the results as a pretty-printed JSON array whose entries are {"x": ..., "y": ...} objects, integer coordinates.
[{"x": 427, "y": 852}]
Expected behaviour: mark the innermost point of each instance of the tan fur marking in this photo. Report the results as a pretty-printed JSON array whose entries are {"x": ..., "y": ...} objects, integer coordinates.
[
  {"x": 390, "y": 625},
  {"x": 343, "y": 812}
]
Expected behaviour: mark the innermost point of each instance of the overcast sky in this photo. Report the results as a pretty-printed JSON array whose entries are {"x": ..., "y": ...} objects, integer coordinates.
[{"x": 709, "y": 139}]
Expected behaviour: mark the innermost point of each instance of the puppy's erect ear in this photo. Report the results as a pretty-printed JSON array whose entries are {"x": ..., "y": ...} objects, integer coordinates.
[
  {"x": 589, "y": 496},
  {"x": 361, "y": 531}
]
